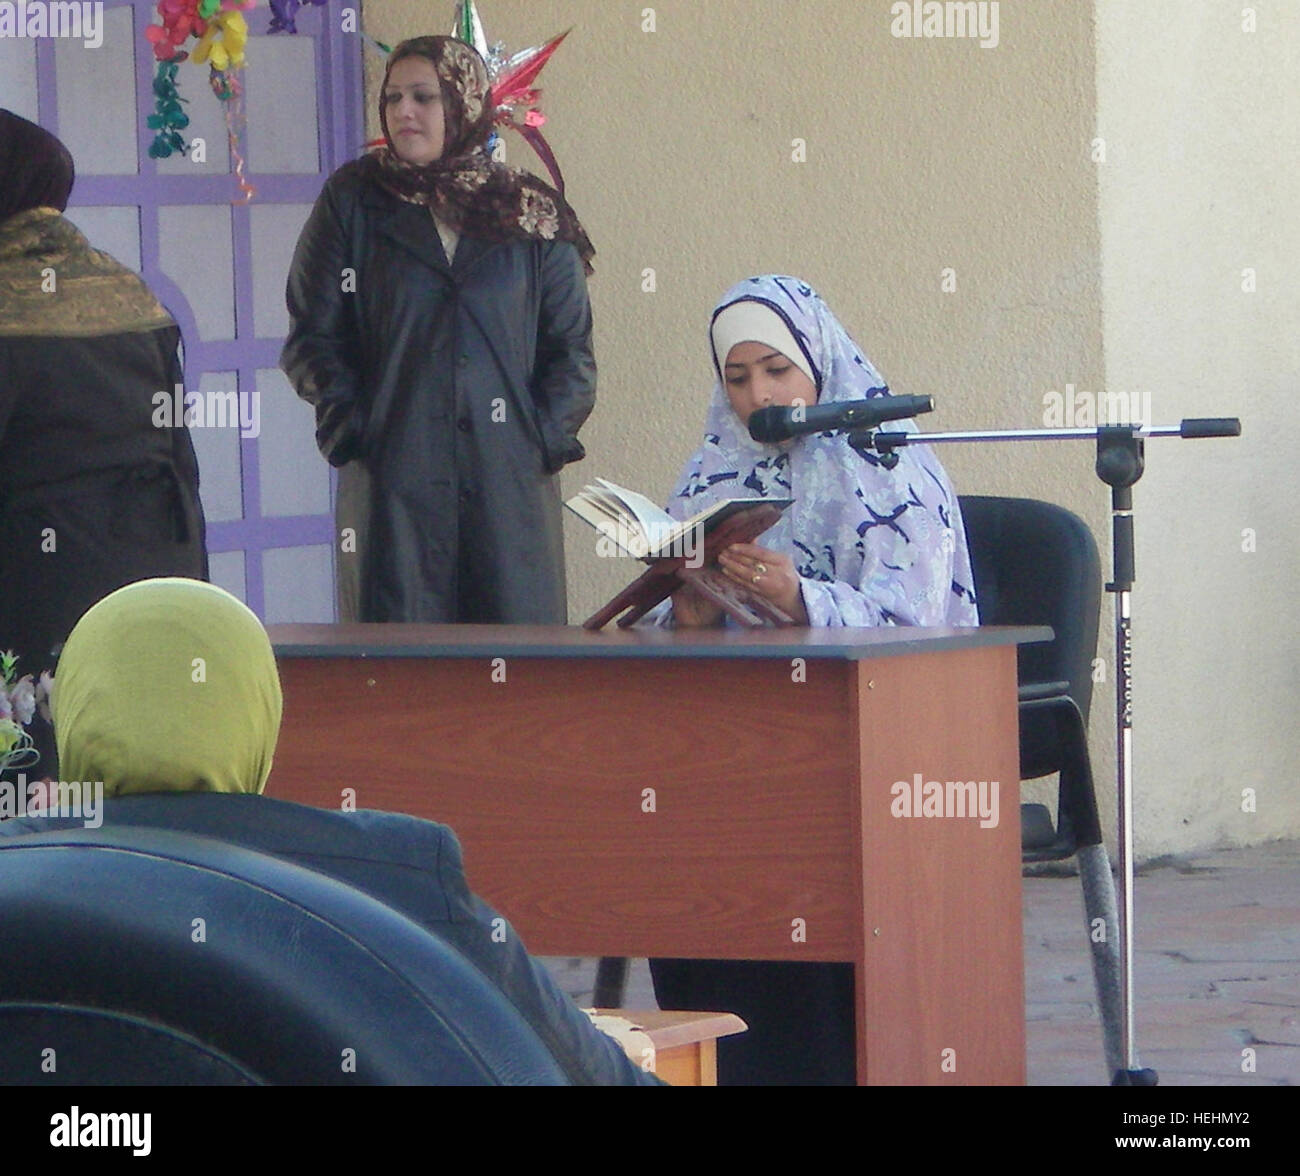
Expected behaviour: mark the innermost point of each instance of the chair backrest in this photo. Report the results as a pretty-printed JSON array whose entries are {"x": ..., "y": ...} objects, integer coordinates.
[
  {"x": 1036, "y": 563},
  {"x": 147, "y": 955}
]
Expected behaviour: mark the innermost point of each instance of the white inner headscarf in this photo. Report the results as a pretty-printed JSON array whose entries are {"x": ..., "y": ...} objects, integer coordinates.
[{"x": 754, "y": 322}]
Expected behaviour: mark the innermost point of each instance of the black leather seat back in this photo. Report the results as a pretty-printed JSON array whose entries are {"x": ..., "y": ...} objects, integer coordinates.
[
  {"x": 1036, "y": 563},
  {"x": 146, "y": 955}
]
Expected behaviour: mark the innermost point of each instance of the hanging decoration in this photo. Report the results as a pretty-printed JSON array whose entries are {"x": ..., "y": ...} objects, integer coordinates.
[
  {"x": 514, "y": 96},
  {"x": 284, "y": 13},
  {"x": 168, "y": 119},
  {"x": 221, "y": 33},
  {"x": 222, "y": 43}
]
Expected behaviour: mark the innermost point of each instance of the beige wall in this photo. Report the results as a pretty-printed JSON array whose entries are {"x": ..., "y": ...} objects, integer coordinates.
[
  {"x": 1202, "y": 181},
  {"x": 924, "y": 155}
]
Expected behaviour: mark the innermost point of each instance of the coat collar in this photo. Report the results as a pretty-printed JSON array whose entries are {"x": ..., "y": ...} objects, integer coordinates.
[{"x": 412, "y": 227}]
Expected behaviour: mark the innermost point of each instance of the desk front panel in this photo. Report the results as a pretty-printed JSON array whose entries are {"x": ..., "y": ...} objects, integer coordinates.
[{"x": 671, "y": 807}]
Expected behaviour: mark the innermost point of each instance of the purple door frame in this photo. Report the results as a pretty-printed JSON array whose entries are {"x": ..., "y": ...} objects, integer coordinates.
[{"x": 341, "y": 134}]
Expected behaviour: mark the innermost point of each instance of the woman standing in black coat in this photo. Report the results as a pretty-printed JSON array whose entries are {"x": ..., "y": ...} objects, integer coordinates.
[
  {"x": 93, "y": 493},
  {"x": 442, "y": 330}
]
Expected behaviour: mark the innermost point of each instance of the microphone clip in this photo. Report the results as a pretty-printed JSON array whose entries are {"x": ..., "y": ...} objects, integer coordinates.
[{"x": 865, "y": 444}]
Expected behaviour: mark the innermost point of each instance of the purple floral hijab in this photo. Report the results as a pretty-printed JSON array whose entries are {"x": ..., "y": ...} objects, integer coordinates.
[{"x": 874, "y": 546}]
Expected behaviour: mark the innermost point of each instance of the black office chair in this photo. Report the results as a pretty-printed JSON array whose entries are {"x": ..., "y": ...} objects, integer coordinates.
[
  {"x": 147, "y": 956},
  {"x": 1037, "y": 564}
]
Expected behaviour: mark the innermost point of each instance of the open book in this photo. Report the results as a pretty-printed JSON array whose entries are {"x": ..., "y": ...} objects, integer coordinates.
[{"x": 643, "y": 530}]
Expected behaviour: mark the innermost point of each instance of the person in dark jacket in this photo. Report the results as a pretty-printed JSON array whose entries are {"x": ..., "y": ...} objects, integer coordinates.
[
  {"x": 192, "y": 752},
  {"x": 92, "y": 494},
  {"x": 440, "y": 325}
]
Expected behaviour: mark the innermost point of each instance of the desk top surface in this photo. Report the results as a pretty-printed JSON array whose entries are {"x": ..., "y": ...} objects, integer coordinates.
[{"x": 572, "y": 641}]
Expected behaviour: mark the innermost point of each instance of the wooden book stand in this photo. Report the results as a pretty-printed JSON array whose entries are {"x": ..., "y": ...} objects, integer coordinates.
[{"x": 664, "y": 576}]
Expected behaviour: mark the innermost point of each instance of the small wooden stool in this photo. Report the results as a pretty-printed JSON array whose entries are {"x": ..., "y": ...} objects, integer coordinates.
[{"x": 682, "y": 1048}]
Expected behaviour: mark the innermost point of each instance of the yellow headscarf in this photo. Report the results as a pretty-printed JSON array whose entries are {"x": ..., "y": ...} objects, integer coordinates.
[{"x": 167, "y": 685}]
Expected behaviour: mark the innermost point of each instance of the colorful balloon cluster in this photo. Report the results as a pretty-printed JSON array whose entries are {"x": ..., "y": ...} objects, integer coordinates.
[
  {"x": 219, "y": 25},
  {"x": 222, "y": 34},
  {"x": 227, "y": 33},
  {"x": 180, "y": 22}
]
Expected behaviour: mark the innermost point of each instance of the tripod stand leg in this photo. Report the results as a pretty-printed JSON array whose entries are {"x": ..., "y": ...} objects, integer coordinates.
[{"x": 1099, "y": 903}]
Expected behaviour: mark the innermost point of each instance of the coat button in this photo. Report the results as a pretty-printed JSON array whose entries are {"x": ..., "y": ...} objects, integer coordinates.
[
  {"x": 464, "y": 424},
  {"x": 463, "y": 360}
]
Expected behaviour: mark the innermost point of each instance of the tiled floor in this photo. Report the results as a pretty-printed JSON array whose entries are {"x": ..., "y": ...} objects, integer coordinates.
[
  {"x": 1216, "y": 970},
  {"x": 1217, "y": 973}
]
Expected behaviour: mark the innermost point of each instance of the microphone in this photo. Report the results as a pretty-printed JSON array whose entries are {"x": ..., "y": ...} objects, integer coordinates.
[{"x": 775, "y": 423}]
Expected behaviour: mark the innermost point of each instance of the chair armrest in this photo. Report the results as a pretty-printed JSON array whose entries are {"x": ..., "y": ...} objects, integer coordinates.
[
  {"x": 1033, "y": 691},
  {"x": 1078, "y": 823}
]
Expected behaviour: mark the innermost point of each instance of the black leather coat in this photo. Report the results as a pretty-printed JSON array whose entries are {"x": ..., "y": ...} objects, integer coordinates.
[
  {"x": 458, "y": 391},
  {"x": 93, "y": 494}
]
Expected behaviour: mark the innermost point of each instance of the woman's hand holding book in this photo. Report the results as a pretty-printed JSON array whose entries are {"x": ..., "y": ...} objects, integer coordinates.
[{"x": 767, "y": 573}]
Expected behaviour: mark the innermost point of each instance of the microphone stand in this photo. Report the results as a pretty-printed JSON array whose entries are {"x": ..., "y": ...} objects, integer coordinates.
[{"x": 1120, "y": 463}]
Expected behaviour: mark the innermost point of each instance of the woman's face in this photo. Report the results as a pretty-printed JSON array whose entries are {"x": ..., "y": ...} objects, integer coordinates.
[
  {"x": 413, "y": 110},
  {"x": 756, "y": 375}
]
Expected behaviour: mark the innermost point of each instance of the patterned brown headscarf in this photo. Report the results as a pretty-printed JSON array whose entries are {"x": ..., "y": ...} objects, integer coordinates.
[
  {"x": 465, "y": 187},
  {"x": 93, "y": 293}
]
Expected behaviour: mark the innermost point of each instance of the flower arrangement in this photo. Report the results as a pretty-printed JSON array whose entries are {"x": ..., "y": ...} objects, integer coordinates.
[{"x": 20, "y": 698}]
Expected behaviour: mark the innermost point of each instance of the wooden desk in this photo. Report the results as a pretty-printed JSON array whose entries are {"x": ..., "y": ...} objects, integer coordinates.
[{"x": 708, "y": 794}]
